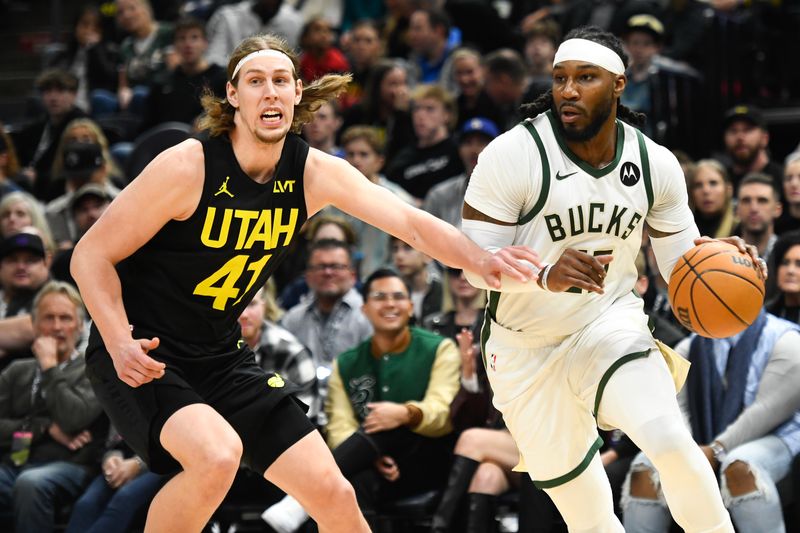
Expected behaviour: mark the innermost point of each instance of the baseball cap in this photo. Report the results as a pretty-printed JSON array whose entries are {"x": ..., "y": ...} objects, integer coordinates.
[
  {"x": 646, "y": 23},
  {"x": 82, "y": 158},
  {"x": 90, "y": 189},
  {"x": 479, "y": 125},
  {"x": 748, "y": 113},
  {"x": 22, "y": 241}
]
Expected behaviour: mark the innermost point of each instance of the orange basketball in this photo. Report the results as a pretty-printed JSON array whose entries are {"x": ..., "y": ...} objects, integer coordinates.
[{"x": 715, "y": 290}]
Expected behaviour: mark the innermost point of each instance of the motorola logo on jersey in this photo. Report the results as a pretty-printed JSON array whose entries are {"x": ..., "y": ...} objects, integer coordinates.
[{"x": 629, "y": 174}]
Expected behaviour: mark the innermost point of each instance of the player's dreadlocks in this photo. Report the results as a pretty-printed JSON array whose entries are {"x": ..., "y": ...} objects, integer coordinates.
[{"x": 595, "y": 34}]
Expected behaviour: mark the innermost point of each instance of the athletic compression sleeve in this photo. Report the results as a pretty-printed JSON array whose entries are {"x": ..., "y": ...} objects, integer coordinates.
[
  {"x": 670, "y": 248},
  {"x": 492, "y": 237}
]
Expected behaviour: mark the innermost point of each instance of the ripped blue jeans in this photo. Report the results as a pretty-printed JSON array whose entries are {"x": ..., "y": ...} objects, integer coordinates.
[{"x": 769, "y": 460}]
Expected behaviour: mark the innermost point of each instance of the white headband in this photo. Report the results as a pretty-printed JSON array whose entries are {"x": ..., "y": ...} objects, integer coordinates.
[
  {"x": 590, "y": 52},
  {"x": 259, "y": 53}
]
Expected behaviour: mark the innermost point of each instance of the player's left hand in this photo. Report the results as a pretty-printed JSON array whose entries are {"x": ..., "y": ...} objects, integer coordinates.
[
  {"x": 384, "y": 416},
  {"x": 743, "y": 247},
  {"x": 513, "y": 261}
]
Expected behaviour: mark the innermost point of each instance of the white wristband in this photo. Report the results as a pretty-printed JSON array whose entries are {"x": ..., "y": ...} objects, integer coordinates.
[{"x": 545, "y": 272}]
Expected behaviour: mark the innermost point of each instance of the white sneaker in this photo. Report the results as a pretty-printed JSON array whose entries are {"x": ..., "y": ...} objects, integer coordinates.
[{"x": 286, "y": 516}]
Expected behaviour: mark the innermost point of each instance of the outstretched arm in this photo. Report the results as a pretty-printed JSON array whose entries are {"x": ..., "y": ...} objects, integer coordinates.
[{"x": 330, "y": 180}]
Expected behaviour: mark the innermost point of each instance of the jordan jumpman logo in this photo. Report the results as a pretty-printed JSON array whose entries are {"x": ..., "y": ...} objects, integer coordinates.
[{"x": 224, "y": 188}]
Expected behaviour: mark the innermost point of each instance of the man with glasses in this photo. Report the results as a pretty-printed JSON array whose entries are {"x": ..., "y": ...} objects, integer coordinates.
[
  {"x": 329, "y": 319},
  {"x": 388, "y": 402}
]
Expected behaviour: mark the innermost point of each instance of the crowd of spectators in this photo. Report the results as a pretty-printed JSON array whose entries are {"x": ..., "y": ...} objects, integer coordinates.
[{"x": 383, "y": 341}]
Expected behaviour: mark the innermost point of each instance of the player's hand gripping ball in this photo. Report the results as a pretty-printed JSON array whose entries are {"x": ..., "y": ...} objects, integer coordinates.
[{"x": 715, "y": 290}]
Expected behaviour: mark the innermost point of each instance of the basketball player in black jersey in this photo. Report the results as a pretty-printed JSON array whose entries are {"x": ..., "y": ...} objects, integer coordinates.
[{"x": 178, "y": 255}]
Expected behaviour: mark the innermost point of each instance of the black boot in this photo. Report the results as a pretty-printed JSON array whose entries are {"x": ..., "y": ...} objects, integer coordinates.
[
  {"x": 480, "y": 518},
  {"x": 457, "y": 484},
  {"x": 357, "y": 453}
]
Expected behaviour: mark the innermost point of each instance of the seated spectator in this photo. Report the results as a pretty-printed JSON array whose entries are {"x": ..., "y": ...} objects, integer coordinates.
[
  {"x": 429, "y": 39},
  {"x": 85, "y": 207},
  {"x": 505, "y": 85},
  {"x": 758, "y": 207},
  {"x": 385, "y": 106},
  {"x": 541, "y": 41},
  {"x": 143, "y": 56},
  {"x": 395, "y": 27},
  {"x": 176, "y": 97},
  {"x": 321, "y": 132},
  {"x": 84, "y": 130},
  {"x": 319, "y": 55},
  {"x": 746, "y": 141},
  {"x": 388, "y": 408},
  {"x": 52, "y": 427},
  {"x": 470, "y": 81},
  {"x": 118, "y": 495},
  {"x": 785, "y": 276},
  {"x": 9, "y": 165},
  {"x": 364, "y": 50},
  {"x": 324, "y": 225},
  {"x": 790, "y": 217},
  {"x": 743, "y": 405},
  {"x": 446, "y": 199},
  {"x": 434, "y": 157},
  {"x": 24, "y": 265},
  {"x": 19, "y": 210},
  {"x": 711, "y": 198},
  {"x": 89, "y": 56},
  {"x": 231, "y": 23},
  {"x": 36, "y": 143},
  {"x": 418, "y": 272},
  {"x": 484, "y": 452},
  {"x": 277, "y": 350},
  {"x": 83, "y": 164}
]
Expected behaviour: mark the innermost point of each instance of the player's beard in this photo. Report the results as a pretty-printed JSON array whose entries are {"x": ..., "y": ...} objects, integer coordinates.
[{"x": 592, "y": 129}]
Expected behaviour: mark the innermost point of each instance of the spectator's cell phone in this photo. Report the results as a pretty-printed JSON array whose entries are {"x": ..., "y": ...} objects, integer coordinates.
[{"x": 21, "y": 447}]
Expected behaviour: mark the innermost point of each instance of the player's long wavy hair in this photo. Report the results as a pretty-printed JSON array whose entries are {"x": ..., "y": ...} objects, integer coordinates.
[
  {"x": 595, "y": 34},
  {"x": 219, "y": 113}
]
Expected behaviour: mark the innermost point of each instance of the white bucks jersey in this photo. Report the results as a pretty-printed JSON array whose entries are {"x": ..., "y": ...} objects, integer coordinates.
[{"x": 530, "y": 177}]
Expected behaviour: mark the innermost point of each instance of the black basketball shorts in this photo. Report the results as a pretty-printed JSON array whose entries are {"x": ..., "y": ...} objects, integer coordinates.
[{"x": 258, "y": 405}]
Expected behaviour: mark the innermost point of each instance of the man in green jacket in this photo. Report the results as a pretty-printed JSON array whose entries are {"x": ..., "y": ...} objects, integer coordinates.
[{"x": 388, "y": 405}]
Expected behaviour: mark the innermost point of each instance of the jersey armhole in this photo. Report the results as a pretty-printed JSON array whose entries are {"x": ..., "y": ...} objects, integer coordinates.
[
  {"x": 545, "y": 189},
  {"x": 645, "y": 158}
]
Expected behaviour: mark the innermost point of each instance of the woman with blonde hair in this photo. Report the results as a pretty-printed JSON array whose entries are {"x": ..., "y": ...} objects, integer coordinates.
[
  {"x": 19, "y": 210},
  {"x": 711, "y": 198}
]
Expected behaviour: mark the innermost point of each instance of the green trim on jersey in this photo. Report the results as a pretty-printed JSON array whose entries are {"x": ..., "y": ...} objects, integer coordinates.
[
  {"x": 586, "y": 167},
  {"x": 613, "y": 368},
  {"x": 491, "y": 314},
  {"x": 545, "y": 175},
  {"x": 648, "y": 184},
  {"x": 575, "y": 472}
]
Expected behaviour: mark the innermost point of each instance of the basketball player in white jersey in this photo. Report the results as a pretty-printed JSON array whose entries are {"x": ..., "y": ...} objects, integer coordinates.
[{"x": 573, "y": 351}]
